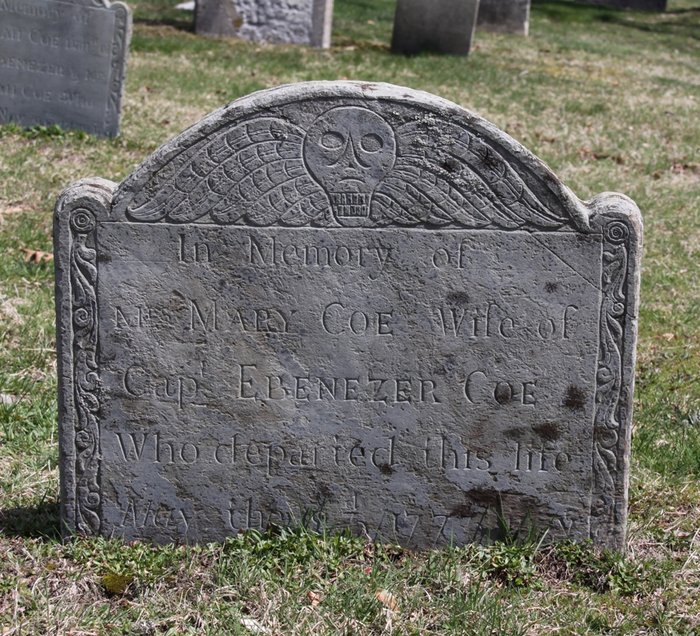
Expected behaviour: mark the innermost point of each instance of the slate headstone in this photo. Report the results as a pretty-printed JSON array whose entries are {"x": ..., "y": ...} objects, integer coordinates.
[
  {"x": 62, "y": 62},
  {"x": 348, "y": 305},
  {"x": 637, "y": 5},
  {"x": 440, "y": 26},
  {"x": 504, "y": 16},
  {"x": 279, "y": 21}
]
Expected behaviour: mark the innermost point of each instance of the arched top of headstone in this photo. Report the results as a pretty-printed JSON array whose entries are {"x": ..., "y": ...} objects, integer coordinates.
[{"x": 348, "y": 154}]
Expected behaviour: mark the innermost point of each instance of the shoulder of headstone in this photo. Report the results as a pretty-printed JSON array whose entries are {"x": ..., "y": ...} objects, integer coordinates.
[
  {"x": 609, "y": 206},
  {"x": 92, "y": 194}
]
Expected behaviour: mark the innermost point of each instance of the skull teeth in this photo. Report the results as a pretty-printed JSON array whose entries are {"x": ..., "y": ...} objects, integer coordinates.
[{"x": 350, "y": 204}]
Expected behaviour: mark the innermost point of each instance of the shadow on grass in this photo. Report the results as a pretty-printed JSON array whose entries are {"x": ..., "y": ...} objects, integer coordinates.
[
  {"x": 676, "y": 23},
  {"x": 175, "y": 23},
  {"x": 569, "y": 11},
  {"x": 42, "y": 521},
  {"x": 162, "y": 13}
]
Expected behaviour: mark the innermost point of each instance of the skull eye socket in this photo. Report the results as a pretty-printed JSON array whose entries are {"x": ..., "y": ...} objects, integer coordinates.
[
  {"x": 371, "y": 143},
  {"x": 332, "y": 141}
]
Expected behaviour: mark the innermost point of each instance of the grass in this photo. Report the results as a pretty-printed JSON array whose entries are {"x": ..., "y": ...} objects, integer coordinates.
[{"x": 611, "y": 100}]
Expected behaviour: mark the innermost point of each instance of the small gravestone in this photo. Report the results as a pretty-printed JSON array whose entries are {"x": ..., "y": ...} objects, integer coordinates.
[
  {"x": 440, "y": 26},
  {"x": 280, "y": 21},
  {"x": 504, "y": 16},
  {"x": 638, "y": 5},
  {"x": 62, "y": 62},
  {"x": 347, "y": 305}
]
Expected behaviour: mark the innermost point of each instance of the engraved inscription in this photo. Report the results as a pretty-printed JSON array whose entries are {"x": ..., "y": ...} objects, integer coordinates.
[
  {"x": 300, "y": 353},
  {"x": 271, "y": 252}
]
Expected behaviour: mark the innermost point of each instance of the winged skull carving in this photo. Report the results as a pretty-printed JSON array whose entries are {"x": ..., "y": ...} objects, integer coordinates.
[{"x": 351, "y": 169}]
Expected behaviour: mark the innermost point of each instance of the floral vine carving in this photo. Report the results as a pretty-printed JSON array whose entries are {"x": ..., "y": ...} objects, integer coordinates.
[
  {"x": 83, "y": 276},
  {"x": 611, "y": 396}
]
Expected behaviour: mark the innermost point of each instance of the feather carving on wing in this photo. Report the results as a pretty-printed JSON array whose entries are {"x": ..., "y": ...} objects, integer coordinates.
[
  {"x": 455, "y": 178},
  {"x": 253, "y": 172}
]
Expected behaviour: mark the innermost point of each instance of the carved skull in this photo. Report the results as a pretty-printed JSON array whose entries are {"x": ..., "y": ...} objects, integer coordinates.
[{"x": 348, "y": 151}]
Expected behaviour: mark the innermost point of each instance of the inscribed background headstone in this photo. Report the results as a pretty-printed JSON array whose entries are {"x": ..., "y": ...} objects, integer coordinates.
[
  {"x": 282, "y": 21},
  {"x": 62, "y": 62},
  {"x": 440, "y": 26},
  {"x": 348, "y": 305},
  {"x": 504, "y": 16}
]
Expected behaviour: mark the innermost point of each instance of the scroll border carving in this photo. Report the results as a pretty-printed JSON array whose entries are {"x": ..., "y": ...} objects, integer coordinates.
[
  {"x": 78, "y": 211},
  {"x": 86, "y": 380},
  {"x": 612, "y": 397}
]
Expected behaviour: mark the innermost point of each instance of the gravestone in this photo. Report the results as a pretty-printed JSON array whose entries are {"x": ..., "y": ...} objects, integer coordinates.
[
  {"x": 280, "y": 21},
  {"x": 440, "y": 26},
  {"x": 348, "y": 305},
  {"x": 638, "y": 5},
  {"x": 62, "y": 62},
  {"x": 504, "y": 16}
]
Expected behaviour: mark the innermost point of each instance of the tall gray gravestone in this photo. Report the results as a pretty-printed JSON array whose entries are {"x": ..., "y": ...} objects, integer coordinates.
[
  {"x": 504, "y": 16},
  {"x": 281, "y": 21},
  {"x": 62, "y": 62},
  {"x": 440, "y": 26},
  {"x": 638, "y": 5},
  {"x": 348, "y": 305}
]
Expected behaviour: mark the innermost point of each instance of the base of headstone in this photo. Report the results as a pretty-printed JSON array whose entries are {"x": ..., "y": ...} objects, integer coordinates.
[
  {"x": 504, "y": 16},
  {"x": 306, "y": 22},
  {"x": 438, "y": 26}
]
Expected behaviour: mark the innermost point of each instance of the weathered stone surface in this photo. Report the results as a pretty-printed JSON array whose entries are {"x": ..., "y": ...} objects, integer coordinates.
[
  {"x": 63, "y": 62},
  {"x": 638, "y": 5},
  {"x": 349, "y": 305},
  {"x": 504, "y": 16},
  {"x": 282, "y": 21},
  {"x": 441, "y": 26}
]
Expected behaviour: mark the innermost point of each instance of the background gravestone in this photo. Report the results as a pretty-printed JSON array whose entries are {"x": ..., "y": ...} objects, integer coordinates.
[
  {"x": 283, "y": 21},
  {"x": 63, "y": 62},
  {"x": 349, "y": 305},
  {"x": 639, "y": 5},
  {"x": 504, "y": 16},
  {"x": 441, "y": 26}
]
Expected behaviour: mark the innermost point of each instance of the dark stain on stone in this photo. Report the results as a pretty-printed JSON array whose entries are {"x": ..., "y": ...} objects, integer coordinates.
[
  {"x": 551, "y": 287},
  {"x": 458, "y": 297},
  {"x": 484, "y": 497},
  {"x": 325, "y": 492},
  {"x": 513, "y": 433},
  {"x": 547, "y": 430},
  {"x": 385, "y": 469},
  {"x": 491, "y": 160},
  {"x": 575, "y": 398},
  {"x": 461, "y": 510},
  {"x": 503, "y": 393},
  {"x": 450, "y": 164}
]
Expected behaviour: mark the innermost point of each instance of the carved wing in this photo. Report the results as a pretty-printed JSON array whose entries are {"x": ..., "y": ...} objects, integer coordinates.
[
  {"x": 459, "y": 180},
  {"x": 253, "y": 171}
]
